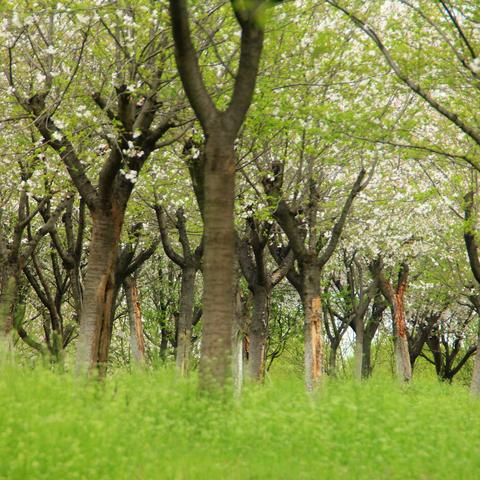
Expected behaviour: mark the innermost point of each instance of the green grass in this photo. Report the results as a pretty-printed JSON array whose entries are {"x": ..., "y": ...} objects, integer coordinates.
[{"x": 152, "y": 426}]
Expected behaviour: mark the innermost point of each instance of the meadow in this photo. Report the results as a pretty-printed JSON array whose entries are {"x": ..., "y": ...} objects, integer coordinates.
[{"x": 154, "y": 426}]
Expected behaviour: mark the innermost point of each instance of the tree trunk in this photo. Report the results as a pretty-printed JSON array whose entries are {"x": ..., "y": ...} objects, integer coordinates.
[
  {"x": 8, "y": 301},
  {"x": 312, "y": 327},
  {"x": 367, "y": 356},
  {"x": 332, "y": 359},
  {"x": 237, "y": 357},
  {"x": 76, "y": 285},
  {"x": 163, "y": 344},
  {"x": 218, "y": 269},
  {"x": 359, "y": 344},
  {"x": 99, "y": 291},
  {"x": 371, "y": 328},
  {"x": 258, "y": 333},
  {"x": 238, "y": 340},
  {"x": 137, "y": 342},
  {"x": 475, "y": 385},
  {"x": 185, "y": 319},
  {"x": 402, "y": 356}
]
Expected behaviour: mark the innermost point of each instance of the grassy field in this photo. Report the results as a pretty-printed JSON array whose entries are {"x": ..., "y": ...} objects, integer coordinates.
[{"x": 152, "y": 426}]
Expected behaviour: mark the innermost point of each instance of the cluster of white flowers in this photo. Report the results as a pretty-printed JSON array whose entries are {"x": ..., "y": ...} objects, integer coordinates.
[
  {"x": 83, "y": 19},
  {"x": 83, "y": 112},
  {"x": 131, "y": 175},
  {"x": 57, "y": 136},
  {"x": 195, "y": 153},
  {"x": 475, "y": 65},
  {"x": 131, "y": 151},
  {"x": 134, "y": 86},
  {"x": 25, "y": 185},
  {"x": 40, "y": 77},
  {"x": 51, "y": 50}
]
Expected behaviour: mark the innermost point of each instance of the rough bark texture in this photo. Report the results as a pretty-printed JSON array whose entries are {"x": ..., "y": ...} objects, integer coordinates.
[
  {"x": 404, "y": 368},
  {"x": 332, "y": 360},
  {"x": 220, "y": 128},
  {"x": 107, "y": 196},
  {"x": 312, "y": 254},
  {"x": 312, "y": 327},
  {"x": 252, "y": 257},
  {"x": 99, "y": 290},
  {"x": 218, "y": 270},
  {"x": 190, "y": 262},
  {"x": 396, "y": 299},
  {"x": 475, "y": 384}
]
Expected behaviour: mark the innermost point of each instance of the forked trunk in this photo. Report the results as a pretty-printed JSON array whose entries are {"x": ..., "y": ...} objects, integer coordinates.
[
  {"x": 219, "y": 256},
  {"x": 312, "y": 327},
  {"x": 258, "y": 333},
  {"x": 137, "y": 342},
  {"x": 402, "y": 355},
  {"x": 185, "y": 319},
  {"x": 99, "y": 291}
]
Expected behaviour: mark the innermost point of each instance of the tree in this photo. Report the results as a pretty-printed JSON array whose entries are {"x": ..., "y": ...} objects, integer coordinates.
[
  {"x": 15, "y": 253},
  {"x": 260, "y": 282},
  {"x": 135, "y": 125},
  {"x": 220, "y": 128},
  {"x": 190, "y": 262},
  {"x": 312, "y": 253},
  {"x": 453, "y": 27}
]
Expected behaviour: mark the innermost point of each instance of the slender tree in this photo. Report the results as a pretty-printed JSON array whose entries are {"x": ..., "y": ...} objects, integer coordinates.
[
  {"x": 312, "y": 253},
  {"x": 190, "y": 262}
]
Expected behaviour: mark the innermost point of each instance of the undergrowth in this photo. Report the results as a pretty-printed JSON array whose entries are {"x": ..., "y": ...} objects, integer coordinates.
[{"x": 154, "y": 426}]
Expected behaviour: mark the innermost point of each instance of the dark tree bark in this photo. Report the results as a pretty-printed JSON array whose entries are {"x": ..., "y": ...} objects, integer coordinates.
[
  {"x": 15, "y": 256},
  {"x": 469, "y": 128},
  {"x": 360, "y": 298},
  {"x": 127, "y": 262},
  {"x": 311, "y": 254},
  {"x": 139, "y": 125},
  {"x": 420, "y": 333},
  {"x": 220, "y": 129},
  {"x": 189, "y": 262},
  {"x": 371, "y": 328},
  {"x": 70, "y": 251},
  {"x": 253, "y": 262},
  {"x": 355, "y": 297}
]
